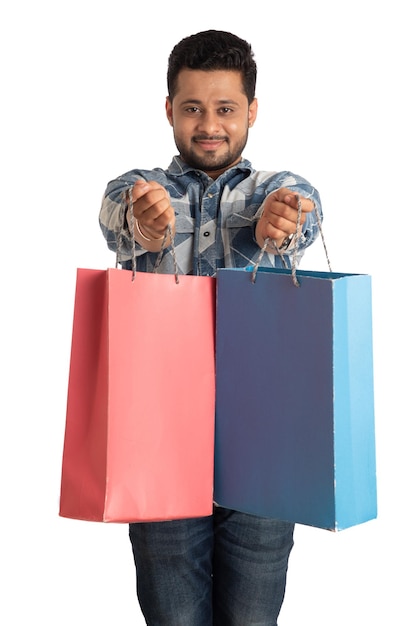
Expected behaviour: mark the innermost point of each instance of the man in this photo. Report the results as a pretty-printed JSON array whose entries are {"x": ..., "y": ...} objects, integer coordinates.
[{"x": 228, "y": 569}]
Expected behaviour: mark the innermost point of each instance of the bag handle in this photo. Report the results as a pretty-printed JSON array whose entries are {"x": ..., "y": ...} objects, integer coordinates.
[
  {"x": 268, "y": 241},
  {"x": 127, "y": 208}
]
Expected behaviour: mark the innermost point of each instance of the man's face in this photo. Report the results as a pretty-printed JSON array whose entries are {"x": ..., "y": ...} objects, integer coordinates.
[{"x": 210, "y": 116}]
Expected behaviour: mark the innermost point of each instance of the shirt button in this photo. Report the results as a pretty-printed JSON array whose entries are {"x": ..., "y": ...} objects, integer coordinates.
[{"x": 206, "y": 233}]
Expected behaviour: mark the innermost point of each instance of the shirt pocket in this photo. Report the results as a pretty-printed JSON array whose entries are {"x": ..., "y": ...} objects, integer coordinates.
[
  {"x": 240, "y": 220},
  {"x": 185, "y": 224},
  {"x": 239, "y": 231},
  {"x": 241, "y": 224}
]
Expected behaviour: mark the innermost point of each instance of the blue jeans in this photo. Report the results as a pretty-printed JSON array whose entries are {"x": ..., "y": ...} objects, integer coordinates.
[{"x": 228, "y": 569}]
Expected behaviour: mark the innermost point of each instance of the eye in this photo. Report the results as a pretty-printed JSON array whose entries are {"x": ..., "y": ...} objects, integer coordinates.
[
  {"x": 225, "y": 110},
  {"x": 192, "y": 110}
]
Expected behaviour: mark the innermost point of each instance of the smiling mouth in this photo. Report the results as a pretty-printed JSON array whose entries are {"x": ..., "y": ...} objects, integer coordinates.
[{"x": 209, "y": 143}]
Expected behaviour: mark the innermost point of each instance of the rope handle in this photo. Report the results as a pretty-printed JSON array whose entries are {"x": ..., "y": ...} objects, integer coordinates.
[
  {"x": 298, "y": 233},
  {"x": 127, "y": 207}
]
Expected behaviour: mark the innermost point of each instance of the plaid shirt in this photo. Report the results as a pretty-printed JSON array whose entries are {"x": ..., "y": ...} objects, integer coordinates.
[{"x": 215, "y": 219}]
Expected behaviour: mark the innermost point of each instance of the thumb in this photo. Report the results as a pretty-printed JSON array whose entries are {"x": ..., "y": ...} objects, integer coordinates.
[
  {"x": 291, "y": 199},
  {"x": 139, "y": 189}
]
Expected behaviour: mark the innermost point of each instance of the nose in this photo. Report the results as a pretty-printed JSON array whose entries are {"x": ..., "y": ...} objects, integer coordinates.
[{"x": 209, "y": 123}]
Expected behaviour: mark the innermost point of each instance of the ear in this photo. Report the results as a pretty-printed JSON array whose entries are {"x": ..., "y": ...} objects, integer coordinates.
[
  {"x": 252, "y": 112},
  {"x": 169, "y": 110}
]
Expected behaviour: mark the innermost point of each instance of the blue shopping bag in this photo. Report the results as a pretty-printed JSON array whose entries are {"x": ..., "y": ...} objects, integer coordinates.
[{"x": 295, "y": 436}]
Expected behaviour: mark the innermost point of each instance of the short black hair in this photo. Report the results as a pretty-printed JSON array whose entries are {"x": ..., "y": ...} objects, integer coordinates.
[{"x": 213, "y": 50}]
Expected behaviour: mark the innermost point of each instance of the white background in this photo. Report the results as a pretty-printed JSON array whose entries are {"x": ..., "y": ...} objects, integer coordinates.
[{"x": 82, "y": 101}]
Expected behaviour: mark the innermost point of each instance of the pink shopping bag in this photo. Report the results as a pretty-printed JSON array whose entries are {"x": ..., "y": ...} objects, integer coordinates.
[{"x": 139, "y": 436}]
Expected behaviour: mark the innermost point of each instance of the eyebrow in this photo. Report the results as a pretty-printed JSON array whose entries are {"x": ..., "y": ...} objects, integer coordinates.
[{"x": 222, "y": 102}]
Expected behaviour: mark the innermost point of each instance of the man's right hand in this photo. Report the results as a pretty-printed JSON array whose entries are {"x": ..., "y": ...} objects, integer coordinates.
[{"x": 153, "y": 213}]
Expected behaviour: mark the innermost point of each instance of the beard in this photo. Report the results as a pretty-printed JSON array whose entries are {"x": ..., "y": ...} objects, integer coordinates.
[{"x": 210, "y": 161}]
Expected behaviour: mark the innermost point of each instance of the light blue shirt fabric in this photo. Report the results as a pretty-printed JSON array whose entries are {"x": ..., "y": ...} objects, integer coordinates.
[{"x": 215, "y": 219}]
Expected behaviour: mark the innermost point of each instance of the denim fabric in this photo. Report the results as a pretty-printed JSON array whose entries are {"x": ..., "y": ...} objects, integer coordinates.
[
  {"x": 228, "y": 569},
  {"x": 215, "y": 219}
]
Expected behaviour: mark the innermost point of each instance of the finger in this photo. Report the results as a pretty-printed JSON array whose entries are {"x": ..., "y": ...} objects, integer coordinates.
[
  {"x": 292, "y": 200},
  {"x": 152, "y": 205},
  {"x": 151, "y": 198},
  {"x": 279, "y": 227},
  {"x": 281, "y": 212}
]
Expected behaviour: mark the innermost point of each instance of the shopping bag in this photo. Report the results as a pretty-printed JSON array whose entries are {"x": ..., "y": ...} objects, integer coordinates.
[
  {"x": 295, "y": 435},
  {"x": 139, "y": 435}
]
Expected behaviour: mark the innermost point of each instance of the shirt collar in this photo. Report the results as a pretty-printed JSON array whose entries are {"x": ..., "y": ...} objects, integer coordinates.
[{"x": 178, "y": 167}]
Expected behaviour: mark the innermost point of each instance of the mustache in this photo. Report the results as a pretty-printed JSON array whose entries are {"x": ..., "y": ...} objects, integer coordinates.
[{"x": 209, "y": 138}]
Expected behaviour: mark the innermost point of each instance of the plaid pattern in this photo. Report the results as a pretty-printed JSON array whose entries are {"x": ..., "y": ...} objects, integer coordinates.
[{"x": 215, "y": 219}]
